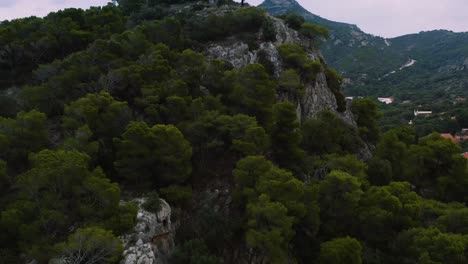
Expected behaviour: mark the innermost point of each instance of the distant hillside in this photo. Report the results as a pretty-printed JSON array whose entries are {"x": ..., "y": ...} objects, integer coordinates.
[{"x": 425, "y": 66}]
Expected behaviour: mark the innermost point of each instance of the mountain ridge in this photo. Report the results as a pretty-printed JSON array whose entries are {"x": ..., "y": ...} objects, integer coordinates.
[{"x": 363, "y": 59}]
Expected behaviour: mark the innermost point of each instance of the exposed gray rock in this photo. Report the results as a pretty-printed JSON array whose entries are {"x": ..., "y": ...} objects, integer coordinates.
[
  {"x": 153, "y": 238},
  {"x": 236, "y": 53},
  {"x": 317, "y": 96}
]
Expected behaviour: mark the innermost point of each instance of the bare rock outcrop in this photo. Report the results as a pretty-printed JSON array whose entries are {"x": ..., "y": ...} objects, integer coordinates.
[
  {"x": 152, "y": 241},
  {"x": 317, "y": 96}
]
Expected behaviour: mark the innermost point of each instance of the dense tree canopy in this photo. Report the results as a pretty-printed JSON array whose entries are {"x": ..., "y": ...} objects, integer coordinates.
[{"x": 112, "y": 103}]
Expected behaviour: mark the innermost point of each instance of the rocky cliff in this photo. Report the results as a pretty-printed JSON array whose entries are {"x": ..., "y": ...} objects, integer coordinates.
[
  {"x": 373, "y": 65},
  {"x": 152, "y": 240},
  {"x": 317, "y": 95}
]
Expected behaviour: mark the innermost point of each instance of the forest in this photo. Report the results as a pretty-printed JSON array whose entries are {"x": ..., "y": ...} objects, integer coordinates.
[{"x": 103, "y": 105}]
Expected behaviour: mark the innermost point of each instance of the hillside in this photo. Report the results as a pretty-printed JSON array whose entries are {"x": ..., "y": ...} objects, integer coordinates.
[
  {"x": 188, "y": 132},
  {"x": 381, "y": 67}
]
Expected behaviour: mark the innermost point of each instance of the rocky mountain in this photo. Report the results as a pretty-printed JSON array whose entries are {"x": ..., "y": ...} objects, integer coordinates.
[{"x": 424, "y": 66}]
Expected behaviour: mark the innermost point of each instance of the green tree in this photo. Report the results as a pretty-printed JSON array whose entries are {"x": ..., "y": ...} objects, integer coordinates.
[
  {"x": 379, "y": 171},
  {"x": 290, "y": 82},
  {"x": 193, "y": 252},
  {"x": 395, "y": 151},
  {"x": 380, "y": 216},
  {"x": 432, "y": 246},
  {"x": 295, "y": 57},
  {"x": 90, "y": 245},
  {"x": 59, "y": 191},
  {"x": 339, "y": 198},
  {"x": 329, "y": 134},
  {"x": 436, "y": 166},
  {"x": 367, "y": 114},
  {"x": 22, "y": 135},
  {"x": 105, "y": 117},
  {"x": 90, "y": 124},
  {"x": 294, "y": 20},
  {"x": 313, "y": 31},
  {"x": 252, "y": 92},
  {"x": 286, "y": 137},
  {"x": 269, "y": 229},
  {"x": 341, "y": 251},
  {"x": 157, "y": 155}
]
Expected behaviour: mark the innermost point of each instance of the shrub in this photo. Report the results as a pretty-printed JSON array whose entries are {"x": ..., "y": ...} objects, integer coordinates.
[
  {"x": 295, "y": 56},
  {"x": 152, "y": 202},
  {"x": 268, "y": 29},
  {"x": 246, "y": 21},
  {"x": 294, "y": 20},
  {"x": 176, "y": 195},
  {"x": 313, "y": 31}
]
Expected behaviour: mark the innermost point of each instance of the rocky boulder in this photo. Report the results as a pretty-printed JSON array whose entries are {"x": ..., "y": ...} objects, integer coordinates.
[{"x": 152, "y": 240}]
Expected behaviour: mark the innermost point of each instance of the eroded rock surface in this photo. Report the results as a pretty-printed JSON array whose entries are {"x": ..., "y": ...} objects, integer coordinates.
[{"x": 152, "y": 241}]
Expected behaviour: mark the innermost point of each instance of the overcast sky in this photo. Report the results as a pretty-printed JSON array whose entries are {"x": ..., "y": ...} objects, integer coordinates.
[{"x": 387, "y": 18}]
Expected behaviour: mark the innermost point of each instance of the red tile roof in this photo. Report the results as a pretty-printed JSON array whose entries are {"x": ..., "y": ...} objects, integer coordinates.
[{"x": 449, "y": 136}]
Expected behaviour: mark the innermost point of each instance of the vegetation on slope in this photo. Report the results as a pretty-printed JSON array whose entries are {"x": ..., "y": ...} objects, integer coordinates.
[{"x": 151, "y": 115}]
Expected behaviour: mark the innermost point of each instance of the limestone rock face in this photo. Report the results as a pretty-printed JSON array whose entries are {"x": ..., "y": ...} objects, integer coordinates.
[
  {"x": 236, "y": 53},
  {"x": 152, "y": 241},
  {"x": 317, "y": 96}
]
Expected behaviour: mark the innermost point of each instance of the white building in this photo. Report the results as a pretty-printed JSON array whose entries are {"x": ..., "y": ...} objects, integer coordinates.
[
  {"x": 417, "y": 112},
  {"x": 386, "y": 100}
]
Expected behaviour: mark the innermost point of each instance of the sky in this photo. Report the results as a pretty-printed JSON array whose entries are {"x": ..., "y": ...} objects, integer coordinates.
[{"x": 386, "y": 18}]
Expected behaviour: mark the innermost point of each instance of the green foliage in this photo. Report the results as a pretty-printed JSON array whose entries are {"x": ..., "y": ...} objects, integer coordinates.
[
  {"x": 175, "y": 195},
  {"x": 341, "y": 251},
  {"x": 269, "y": 229},
  {"x": 313, "y": 31},
  {"x": 367, "y": 118},
  {"x": 290, "y": 82},
  {"x": 58, "y": 191},
  {"x": 91, "y": 244},
  {"x": 93, "y": 121},
  {"x": 154, "y": 155},
  {"x": 295, "y": 57},
  {"x": 294, "y": 20},
  {"x": 435, "y": 164},
  {"x": 268, "y": 30},
  {"x": 275, "y": 203},
  {"x": 329, "y": 134},
  {"x": 28, "y": 42},
  {"x": 298, "y": 208},
  {"x": 152, "y": 202},
  {"x": 432, "y": 246},
  {"x": 193, "y": 252},
  {"x": 22, "y": 135},
  {"x": 212, "y": 27},
  {"x": 339, "y": 198},
  {"x": 380, "y": 171},
  {"x": 349, "y": 164},
  {"x": 286, "y": 137},
  {"x": 252, "y": 92},
  {"x": 392, "y": 149}
]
